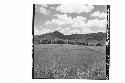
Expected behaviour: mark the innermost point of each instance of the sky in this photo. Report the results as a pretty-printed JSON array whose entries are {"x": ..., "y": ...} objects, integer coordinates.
[{"x": 70, "y": 18}]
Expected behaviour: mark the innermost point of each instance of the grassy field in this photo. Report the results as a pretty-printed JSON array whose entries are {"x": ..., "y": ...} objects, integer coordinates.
[{"x": 54, "y": 61}]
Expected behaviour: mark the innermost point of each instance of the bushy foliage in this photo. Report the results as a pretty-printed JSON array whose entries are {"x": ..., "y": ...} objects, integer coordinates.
[
  {"x": 95, "y": 72},
  {"x": 99, "y": 44},
  {"x": 69, "y": 62},
  {"x": 83, "y": 39},
  {"x": 60, "y": 42}
]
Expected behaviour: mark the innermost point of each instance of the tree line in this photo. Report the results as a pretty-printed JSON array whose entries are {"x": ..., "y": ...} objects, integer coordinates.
[{"x": 61, "y": 41}]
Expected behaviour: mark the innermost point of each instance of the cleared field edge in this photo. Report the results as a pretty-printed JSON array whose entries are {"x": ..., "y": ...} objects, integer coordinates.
[{"x": 108, "y": 43}]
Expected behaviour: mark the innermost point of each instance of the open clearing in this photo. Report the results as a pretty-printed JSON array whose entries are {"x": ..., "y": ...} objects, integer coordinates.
[{"x": 54, "y": 61}]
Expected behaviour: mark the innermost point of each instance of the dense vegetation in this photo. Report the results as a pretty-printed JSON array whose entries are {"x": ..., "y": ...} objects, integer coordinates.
[
  {"x": 75, "y": 56},
  {"x": 76, "y": 39},
  {"x": 54, "y": 61}
]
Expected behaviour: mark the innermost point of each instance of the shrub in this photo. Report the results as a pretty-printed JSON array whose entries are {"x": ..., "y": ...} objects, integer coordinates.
[
  {"x": 95, "y": 72},
  {"x": 99, "y": 44},
  {"x": 60, "y": 42}
]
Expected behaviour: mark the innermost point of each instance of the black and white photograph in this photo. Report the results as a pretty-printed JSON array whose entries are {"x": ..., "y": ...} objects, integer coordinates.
[
  {"x": 71, "y": 41},
  {"x": 62, "y": 41}
]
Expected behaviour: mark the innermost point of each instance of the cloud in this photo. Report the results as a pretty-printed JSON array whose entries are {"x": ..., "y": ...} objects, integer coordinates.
[
  {"x": 74, "y": 31},
  {"x": 52, "y": 7},
  {"x": 61, "y": 20},
  {"x": 41, "y": 31},
  {"x": 41, "y": 5},
  {"x": 87, "y": 30},
  {"x": 44, "y": 5},
  {"x": 42, "y": 9},
  {"x": 68, "y": 30},
  {"x": 36, "y": 31},
  {"x": 65, "y": 20},
  {"x": 101, "y": 31},
  {"x": 78, "y": 21},
  {"x": 79, "y": 24},
  {"x": 74, "y": 8},
  {"x": 99, "y": 14},
  {"x": 96, "y": 23}
]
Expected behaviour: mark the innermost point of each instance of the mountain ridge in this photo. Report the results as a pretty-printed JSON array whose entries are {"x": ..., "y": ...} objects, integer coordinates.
[{"x": 90, "y": 37}]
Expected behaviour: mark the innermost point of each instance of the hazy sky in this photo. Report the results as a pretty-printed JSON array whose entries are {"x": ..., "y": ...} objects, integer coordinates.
[{"x": 69, "y": 18}]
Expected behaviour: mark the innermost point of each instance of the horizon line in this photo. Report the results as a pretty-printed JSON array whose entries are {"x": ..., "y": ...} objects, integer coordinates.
[{"x": 69, "y": 34}]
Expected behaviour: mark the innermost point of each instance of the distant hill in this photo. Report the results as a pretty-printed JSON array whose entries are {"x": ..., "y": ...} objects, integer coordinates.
[{"x": 90, "y": 38}]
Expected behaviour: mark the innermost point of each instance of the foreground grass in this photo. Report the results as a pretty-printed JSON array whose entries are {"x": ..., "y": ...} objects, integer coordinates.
[{"x": 69, "y": 62}]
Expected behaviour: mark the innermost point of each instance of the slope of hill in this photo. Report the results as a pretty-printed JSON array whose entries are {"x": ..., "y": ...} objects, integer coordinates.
[{"x": 91, "y": 38}]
